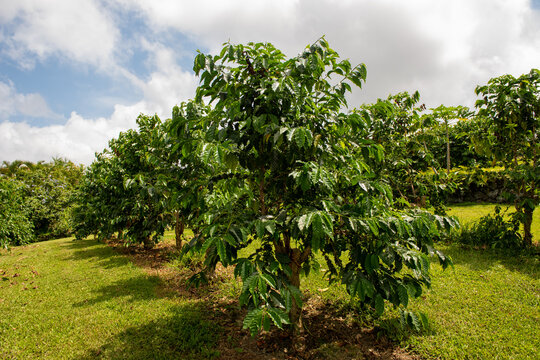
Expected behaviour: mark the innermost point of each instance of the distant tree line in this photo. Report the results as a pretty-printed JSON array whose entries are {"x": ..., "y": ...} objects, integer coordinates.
[{"x": 36, "y": 200}]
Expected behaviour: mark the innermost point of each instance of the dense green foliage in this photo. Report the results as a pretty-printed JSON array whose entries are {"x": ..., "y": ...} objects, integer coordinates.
[
  {"x": 15, "y": 226},
  {"x": 45, "y": 191},
  {"x": 396, "y": 124},
  {"x": 294, "y": 175},
  {"x": 510, "y": 108},
  {"x": 462, "y": 134},
  {"x": 267, "y": 158},
  {"x": 120, "y": 190},
  {"x": 492, "y": 231}
]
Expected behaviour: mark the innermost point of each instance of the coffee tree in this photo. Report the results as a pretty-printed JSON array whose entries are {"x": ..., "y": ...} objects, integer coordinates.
[
  {"x": 399, "y": 126},
  {"x": 446, "y": 114},
  {"x": 295, "y": 181},
  {"x": 120, "y": 191},
  {"x": 511, "y": 109}
]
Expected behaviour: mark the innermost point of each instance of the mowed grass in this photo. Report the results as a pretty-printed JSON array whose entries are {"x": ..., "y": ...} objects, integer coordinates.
[
  {"x": 487, "y": 306},
  {"x": 65, "y": 299},
  {"x": 470, "y": 212}
]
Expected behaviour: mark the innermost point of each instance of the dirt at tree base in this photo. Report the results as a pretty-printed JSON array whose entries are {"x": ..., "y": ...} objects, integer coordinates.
[{"x": 328, "y": 333}]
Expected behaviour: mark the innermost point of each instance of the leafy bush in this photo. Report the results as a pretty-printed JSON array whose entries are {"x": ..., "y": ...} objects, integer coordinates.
[
  {"x": 15, "y": 226},
  {"x": 492, "y": 230},
  {"x": 46, "y": 191}
]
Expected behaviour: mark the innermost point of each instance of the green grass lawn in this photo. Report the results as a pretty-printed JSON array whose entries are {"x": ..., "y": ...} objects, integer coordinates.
[
  {"x": 469, "y": 212},
  {"x": 486, "y": 307},
  {"x": 65, "y": 299}
]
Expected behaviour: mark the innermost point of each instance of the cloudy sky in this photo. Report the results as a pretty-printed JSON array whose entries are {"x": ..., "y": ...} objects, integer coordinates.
[{"x": 73, "y": 74}]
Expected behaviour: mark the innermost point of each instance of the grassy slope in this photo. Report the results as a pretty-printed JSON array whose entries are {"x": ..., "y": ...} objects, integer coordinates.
[
  {"x": 63, "y": 299},
  {"x": 91, "y": 302},
  {"x": 488, "y": 306}
]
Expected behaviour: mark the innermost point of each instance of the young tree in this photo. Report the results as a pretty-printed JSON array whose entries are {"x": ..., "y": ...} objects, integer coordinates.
[
  {"x": 296, "y": 180},
  {"x": 512, "y": 108},
  {"x": 120, "y": 189},
  {"x": 397, "y": 124},
  {"x": 185, "y": 174},
  {"x": 446, "y": 114}
]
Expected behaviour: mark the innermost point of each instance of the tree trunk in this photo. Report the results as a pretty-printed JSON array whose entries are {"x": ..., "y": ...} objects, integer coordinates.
[
  {"x": 178, "y": 230},
  {"x": 148, "y": 244},
  {"x": 294, "y": 279},
  {"x": 527, "y": 222},
  {"x": 447, "y": 149}
]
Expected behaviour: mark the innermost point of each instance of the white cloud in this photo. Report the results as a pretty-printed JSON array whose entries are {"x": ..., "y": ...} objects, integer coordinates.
[
  {"x": 77, "y": 30},
  {"x": 77, "y": 140},
  {"x": 442, "y": 48},
  {"x": 30, "y": 105},
  {"x": 80, "y": 137}
]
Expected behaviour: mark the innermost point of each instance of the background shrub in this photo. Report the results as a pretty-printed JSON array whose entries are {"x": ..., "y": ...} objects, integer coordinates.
[
  {"x": 492, "y": 230},
  {"x": 15, "y": 226}
]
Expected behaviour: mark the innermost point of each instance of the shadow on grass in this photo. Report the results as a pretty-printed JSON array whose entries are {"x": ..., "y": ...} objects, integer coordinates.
[
  {"x": 138, "y": 288},
  {"x": 90, "y": 249},
  {"x": 184, "y": 334},
  {"x": 486, "y": 259}
]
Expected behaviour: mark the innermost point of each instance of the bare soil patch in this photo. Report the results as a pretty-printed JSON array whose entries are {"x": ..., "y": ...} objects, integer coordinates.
[{"x": 329, "y": 332}]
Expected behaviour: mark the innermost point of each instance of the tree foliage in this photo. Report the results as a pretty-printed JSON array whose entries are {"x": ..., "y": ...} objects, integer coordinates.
[
  {"x": 15, "y": 226},
  {"x": 294, "y": 175},
  {"x": 46, "y": 190},
  {"x": 120, "y": 190},
  {"x": 510, "y": 108}
]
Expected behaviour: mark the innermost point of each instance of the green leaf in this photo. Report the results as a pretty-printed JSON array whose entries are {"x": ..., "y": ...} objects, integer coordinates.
[
  {"x": 222, "y": 252},
  {"x": 415, "y": 321},
  {"x": 403, "y": 295},
  {"x": 305, "y": 221},
  {"x": 299, "y": 137},
  {"x": 266, "y": 323},
  {"x": 270, "y": 226},
  {"x": 253, "y": 321},
  {"x": 317, "y": 230},
  {"x": 269, "y": 279},
  {"x": 373, "y": 226},
  {"x": 279, "y": 317},
  {"x": 259, "y": 227},
  {"x": 297, "y": 295}
]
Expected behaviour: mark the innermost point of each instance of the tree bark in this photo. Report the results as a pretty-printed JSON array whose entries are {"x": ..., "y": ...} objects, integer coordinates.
[
  {"x": 297, "y": 259},
  {"x": 178, "y": 229},
  {"x": 527, "y": 222},
  {"x": 294, "y": 279},
  {"x": 447, "y": 149},
  {"x": 147, "y": 243}
]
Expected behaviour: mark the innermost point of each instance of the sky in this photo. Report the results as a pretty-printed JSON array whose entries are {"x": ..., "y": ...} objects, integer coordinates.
[{"x": 73, "y": 74}]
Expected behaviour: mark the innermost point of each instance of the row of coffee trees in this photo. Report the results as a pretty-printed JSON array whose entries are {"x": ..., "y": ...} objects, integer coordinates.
[
  {"x": 36, "y": 200},
  {"x": 266, "y": 157}
]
